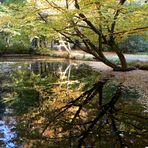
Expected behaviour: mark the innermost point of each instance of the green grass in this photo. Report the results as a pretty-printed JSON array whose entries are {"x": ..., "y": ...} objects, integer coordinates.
[
  {"x": 142, "y": 65},
  {"x": 138, "y": 64}
]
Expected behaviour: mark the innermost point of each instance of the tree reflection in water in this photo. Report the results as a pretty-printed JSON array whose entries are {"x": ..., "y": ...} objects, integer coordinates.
[
  {"x": 91, "y": 120},
  {"x": 59, "y": 105}
]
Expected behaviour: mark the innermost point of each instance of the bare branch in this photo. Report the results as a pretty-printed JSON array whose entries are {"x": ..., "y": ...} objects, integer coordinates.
[{"x": 105, "y": 108}]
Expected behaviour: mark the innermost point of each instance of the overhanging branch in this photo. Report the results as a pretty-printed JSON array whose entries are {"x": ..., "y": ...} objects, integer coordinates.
[{"x": 131, "y": 31}]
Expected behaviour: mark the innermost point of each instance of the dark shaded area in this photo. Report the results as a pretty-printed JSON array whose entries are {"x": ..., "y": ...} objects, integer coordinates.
[
  {"x": 101, "y": 125},
  {"x": 57, "y": 103}
]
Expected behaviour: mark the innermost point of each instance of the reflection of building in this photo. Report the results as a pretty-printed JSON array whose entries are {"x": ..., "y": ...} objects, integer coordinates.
[
  {"x": 38, "y": 67},
  {"x": 42, "y": 67}
]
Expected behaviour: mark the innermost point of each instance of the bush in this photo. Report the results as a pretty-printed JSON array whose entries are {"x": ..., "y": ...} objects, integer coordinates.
[
  {"x": 139, "y": 64},
  {"x": 134, "y": 44},
  {"x": 3, "y": 48},
  {"x": 142, "y": 65},
  {"x": 15, "y": 48},
  {"x": 19, "y": 48}
]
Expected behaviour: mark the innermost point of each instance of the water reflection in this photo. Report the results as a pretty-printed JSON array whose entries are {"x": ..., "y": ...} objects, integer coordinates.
[
  {"x": 57, "y": 103},
  {"x": 7, "y": 129},
  {"x": 7, "y": 120}
]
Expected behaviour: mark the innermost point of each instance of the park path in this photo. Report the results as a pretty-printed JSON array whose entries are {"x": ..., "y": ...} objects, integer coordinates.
[{"x": 130, "y": 57}]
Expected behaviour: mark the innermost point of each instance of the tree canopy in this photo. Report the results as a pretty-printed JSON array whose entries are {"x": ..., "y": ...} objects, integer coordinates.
[{"x": 98, "y": 24}]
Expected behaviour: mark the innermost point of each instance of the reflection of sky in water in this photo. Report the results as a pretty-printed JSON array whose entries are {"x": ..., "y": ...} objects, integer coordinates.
[{"x": 7, "y": 133}]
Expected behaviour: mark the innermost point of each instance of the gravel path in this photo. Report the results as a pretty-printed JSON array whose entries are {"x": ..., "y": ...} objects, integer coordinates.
[{"x": 110, "y": 55}]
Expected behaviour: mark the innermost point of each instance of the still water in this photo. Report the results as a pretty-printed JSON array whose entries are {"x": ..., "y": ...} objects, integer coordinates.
[{"x": 53, "y": 103}]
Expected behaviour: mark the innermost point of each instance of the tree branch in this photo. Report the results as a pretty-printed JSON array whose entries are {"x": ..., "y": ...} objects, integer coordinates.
[{"x": 102, "y": 112}]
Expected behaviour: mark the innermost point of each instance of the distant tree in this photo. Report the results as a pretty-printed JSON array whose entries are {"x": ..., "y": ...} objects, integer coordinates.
[{"x": 134, "y": 43}]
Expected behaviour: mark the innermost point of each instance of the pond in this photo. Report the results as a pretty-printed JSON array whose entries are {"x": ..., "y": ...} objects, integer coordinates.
[{"x": 62, "y": 103}]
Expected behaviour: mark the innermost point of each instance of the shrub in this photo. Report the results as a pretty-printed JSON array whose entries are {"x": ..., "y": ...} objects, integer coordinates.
[
  {"x": 18, "y": 48},
  {"x": 134, "y": 44},
  {"x": 15, "y": 48},
  {"x": 3, "y": 48}
]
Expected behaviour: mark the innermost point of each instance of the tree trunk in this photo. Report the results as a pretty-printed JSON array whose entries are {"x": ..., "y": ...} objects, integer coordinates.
[
  {"x": 107, "y": 62},
  {"x": 100, "y": 56},
  {"x": 122, "y": 60}
]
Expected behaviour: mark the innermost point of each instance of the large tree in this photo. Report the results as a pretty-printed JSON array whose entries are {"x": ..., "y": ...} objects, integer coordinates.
[{"x": 98, "y": 23}]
